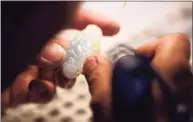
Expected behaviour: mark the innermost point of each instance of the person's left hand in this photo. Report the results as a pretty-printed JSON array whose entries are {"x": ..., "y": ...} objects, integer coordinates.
[
  {"x": 35, "y": 84},
  {"x": 170, "y": 59}
]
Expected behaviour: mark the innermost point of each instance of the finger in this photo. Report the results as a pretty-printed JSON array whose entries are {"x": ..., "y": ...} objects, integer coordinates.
[
  {"x": 51, "y": 58},
  {"x": 173, "y": 49},
  {"x": 148, "y": 49},
  {"x": 98, "y": 71},
  {"x": 5, "y": 98},
  {"x": 40, "y": 91},
  {"x": 83, "y": 17},
  {"x": 63, "y": 81},
  {"x": 171, "y": 62},
  {"x": 47, "y": 74},
  {"x": 159, "y": 106},
  {"x": 19, "y": 89},
  {"x": 52, "y": 55},
  {"x": 56, "y": 77},
  {"x": 18, "y": 93}
]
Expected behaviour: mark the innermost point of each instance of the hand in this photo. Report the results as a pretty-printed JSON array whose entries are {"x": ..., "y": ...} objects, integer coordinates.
[
  {"x": 171, "y": 61},
  {"x": 35, "y": 84}
]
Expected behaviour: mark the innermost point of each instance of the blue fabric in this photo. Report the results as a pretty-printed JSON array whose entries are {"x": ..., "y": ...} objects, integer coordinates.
[{"x": 132, "y": 78}]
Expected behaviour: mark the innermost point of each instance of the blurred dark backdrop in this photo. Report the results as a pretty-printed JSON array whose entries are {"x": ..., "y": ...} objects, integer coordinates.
[{"x": 26, "y": 26}]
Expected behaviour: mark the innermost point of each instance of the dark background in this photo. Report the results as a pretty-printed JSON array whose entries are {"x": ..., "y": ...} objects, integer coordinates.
[{"x": 26, "y": 26}]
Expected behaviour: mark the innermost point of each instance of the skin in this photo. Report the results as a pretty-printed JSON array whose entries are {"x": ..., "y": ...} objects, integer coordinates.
[{"x": 37, "y": 80}]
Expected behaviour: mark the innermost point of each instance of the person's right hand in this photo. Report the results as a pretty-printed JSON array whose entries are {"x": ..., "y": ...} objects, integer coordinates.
[
  {"x": 171, "y": 61},
  {"x": 37, "y": 82}
]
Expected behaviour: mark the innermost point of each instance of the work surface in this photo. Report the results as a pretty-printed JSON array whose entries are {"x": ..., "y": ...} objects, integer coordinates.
[{"x": 141, "y": 22}]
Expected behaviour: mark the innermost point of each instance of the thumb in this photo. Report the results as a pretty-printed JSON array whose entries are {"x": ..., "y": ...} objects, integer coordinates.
[{"x": 98, "y": 71}]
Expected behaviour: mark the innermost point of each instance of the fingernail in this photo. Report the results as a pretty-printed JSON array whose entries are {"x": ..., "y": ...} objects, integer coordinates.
[
  {"x": 90, "y": 64},
  {"x": 53, "y": 53}
]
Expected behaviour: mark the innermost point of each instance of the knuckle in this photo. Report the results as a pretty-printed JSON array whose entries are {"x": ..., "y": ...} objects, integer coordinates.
[{"x": 177, "y": 38}]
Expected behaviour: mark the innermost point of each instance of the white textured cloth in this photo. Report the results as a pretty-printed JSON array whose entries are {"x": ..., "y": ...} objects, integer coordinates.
[{"x": 140, "y": 23}]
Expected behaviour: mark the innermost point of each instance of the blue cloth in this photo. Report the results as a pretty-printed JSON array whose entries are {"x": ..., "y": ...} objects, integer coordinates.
[{"x": 132, "y": 99}]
